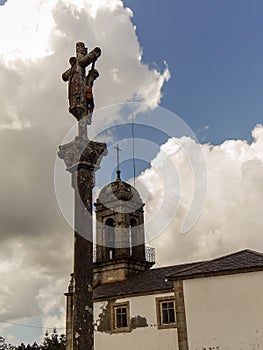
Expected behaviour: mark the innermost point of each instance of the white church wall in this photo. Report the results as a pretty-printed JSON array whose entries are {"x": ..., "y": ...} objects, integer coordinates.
[
  {"x": 225, "y": 312},
  {"x": 140, "y": 338}
]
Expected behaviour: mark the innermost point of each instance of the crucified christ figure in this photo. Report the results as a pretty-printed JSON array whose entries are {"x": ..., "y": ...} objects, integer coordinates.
[
  {"x": 90, "y": 78},
  {"x": 81, "y": 103}
]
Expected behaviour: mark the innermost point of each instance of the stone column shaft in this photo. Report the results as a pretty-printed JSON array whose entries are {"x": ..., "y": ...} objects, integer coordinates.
[
  {"x": 82, "y": 158},
  {"x": 83, "y": 260}
]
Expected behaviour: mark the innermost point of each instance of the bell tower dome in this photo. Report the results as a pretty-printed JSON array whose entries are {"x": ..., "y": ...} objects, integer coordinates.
[{"x": 120, "y": 236}]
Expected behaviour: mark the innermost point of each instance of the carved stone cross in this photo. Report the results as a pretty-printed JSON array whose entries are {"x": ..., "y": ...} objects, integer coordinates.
[{"x": 80, "y": 96}]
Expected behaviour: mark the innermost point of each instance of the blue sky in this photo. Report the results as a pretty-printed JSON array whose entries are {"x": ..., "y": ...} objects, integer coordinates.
[{"x": 215, "y": 55}]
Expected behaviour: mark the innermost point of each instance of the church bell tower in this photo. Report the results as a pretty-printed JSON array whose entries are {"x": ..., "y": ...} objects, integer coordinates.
[{"x": 120, "y": 236}]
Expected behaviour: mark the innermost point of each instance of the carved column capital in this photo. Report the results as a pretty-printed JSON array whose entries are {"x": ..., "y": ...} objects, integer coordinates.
[{"x": 82, "y": 153}]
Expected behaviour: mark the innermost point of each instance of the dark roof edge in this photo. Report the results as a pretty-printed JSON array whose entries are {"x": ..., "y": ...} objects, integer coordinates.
[
  {"x": 174, "y": 277},
  {"x": 215, "y": 274},
  {"x": 138, "y": 294}
]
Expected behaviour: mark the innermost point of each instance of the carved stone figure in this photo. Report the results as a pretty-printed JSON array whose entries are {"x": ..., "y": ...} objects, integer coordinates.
[
  {"x": 77, "y": 80},
  {"x": 90, "y": 78}
]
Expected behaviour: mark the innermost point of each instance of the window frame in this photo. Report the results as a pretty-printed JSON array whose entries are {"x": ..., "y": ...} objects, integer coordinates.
[
  {"x": 116, "y": 306},
  {"x": 159, "y": 312}
]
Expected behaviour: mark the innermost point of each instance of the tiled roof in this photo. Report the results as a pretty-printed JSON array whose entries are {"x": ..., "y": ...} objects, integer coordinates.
[
  {"x": 244, "y": 260},
  {"x": 148, "y": 281},
  {"x": 155, "y": 280}
]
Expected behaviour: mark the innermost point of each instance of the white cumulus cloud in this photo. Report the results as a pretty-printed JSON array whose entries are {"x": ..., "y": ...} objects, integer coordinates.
[
  {"x": 231, "y": 218},
  {"x": 37, "y": 38}
]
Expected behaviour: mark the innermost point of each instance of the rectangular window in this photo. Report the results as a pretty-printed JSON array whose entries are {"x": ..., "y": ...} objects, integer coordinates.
[
  {"x": 165, "y": 308},
  {"x": 120, "y": 317},
  {"x": 167, "y": 312}
]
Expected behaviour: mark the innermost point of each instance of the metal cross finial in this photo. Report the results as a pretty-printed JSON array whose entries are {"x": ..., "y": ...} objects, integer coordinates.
[{"x": 118, "y": 160}]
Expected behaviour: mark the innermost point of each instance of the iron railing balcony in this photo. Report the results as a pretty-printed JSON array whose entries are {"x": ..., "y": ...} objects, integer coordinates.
[{"x": 149, "y": 254}]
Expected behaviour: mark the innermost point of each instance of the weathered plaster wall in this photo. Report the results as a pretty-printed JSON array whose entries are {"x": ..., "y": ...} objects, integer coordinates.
[
  {"x": 141, "y": 337},
  {"x": 225, "y": 312}
]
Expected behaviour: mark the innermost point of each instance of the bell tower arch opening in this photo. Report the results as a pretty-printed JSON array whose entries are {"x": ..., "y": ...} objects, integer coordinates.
[
  {"x": 109, "y": 232},
  {"x": 120, "y": 236}
]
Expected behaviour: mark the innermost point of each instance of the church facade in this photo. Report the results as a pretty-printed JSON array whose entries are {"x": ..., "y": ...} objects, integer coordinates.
[
  {"x": 219, "y": 303},
  {"x": 210, "y": 305}
]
